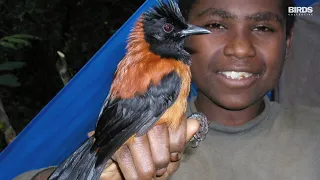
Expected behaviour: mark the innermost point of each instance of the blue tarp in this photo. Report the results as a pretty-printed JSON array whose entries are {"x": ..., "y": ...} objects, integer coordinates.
[
  {"x": 64, "y": 123},
  {"x": 304, "y": 2}
]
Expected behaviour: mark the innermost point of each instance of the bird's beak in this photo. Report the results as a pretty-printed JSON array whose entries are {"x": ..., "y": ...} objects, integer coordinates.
[{"x": 192, "y": 30}]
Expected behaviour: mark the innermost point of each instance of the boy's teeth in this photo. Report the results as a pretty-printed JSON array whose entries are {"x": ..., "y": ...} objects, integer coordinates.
[{"x": 236, "y": 75}]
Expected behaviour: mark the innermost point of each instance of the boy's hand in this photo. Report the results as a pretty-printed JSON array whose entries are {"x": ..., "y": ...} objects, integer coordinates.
[{"x": 154, "y": 155}]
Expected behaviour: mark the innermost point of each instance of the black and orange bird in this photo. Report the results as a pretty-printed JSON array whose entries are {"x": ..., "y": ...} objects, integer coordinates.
[{"x": 150, "y": 87}]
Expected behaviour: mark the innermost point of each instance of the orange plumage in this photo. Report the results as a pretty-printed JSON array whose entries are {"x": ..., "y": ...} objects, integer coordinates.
[{"x": 140, "y": 66}]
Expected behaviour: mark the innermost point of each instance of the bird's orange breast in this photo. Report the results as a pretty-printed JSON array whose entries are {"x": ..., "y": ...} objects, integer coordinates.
[
  {"x": 134, "y": 78},
  {"x": 175, "y": 113},
  {"x": 140, "y": 68}
]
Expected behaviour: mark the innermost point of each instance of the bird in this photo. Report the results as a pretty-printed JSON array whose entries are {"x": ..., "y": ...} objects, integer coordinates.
[{"x": 150, "y": 86}]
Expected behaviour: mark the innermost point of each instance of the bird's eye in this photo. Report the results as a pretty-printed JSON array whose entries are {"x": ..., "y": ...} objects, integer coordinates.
[{"x": 167, "y": 27}]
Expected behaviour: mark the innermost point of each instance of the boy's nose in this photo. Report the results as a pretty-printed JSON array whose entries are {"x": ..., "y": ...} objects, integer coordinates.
[{"x": 240, "y": 47}]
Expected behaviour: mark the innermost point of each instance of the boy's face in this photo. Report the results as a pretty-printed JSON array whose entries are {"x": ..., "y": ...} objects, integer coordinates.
[{"x": 248, "y": 37}]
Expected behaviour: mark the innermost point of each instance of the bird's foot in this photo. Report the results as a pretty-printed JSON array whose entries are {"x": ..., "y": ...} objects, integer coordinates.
[{"x": 203, "y": 130}]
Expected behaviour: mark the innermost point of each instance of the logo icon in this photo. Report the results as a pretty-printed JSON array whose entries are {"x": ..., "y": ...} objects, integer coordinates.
[{"x": 300, "y": 11}]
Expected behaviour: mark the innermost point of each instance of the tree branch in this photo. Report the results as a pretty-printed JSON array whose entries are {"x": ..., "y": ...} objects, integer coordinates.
[
  {"x": 62, "y": 68},
  {"x": 5, "y": 125}
]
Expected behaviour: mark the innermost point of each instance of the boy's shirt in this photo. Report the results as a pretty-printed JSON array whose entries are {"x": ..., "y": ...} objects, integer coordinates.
[{"x": 279, "y": 144}]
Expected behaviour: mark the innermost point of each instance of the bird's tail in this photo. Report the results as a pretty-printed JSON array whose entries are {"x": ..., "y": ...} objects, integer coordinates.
[{"x": 81, "y": 165}]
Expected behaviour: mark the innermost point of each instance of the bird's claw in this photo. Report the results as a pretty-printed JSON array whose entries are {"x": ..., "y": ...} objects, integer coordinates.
[{"x": 203, "y": 130}]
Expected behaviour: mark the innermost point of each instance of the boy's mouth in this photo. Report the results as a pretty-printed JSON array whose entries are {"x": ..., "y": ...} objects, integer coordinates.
[
  {"x": 237, "y": 79},
  {"x": 236, "y": 75}
]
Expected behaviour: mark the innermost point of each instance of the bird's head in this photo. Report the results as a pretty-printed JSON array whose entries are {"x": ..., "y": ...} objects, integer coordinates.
[{"x": 165, "y": 29}]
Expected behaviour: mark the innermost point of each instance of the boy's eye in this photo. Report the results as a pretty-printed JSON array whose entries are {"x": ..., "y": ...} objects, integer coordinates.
[
  {"x": 263, "y": 29},
  {"x": 216, "y": 26}
]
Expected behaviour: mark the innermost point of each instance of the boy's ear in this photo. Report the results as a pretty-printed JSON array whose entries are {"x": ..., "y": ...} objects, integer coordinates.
[{"x": 288, "y": 43}]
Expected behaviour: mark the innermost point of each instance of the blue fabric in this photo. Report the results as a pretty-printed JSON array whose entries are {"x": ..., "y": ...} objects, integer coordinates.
[
  {"x": 64, "y": 123},
  {"x": 304, "y": 2}
]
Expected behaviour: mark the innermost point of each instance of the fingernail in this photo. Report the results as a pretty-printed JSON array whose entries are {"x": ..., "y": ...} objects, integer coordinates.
[
  {"x": 161, "y": 172},
  {"x": 179, "y": 156},
  {"x": 175, "y": 157}
]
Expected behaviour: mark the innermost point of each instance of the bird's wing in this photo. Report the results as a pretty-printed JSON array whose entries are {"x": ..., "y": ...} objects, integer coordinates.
[{"x": 122, "y": 118}]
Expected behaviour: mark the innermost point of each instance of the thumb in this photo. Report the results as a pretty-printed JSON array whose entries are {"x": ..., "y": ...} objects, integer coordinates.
[{"x": 192, "y": 127}]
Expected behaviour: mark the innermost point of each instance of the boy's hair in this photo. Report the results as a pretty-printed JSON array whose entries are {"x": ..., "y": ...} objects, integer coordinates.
[{"x": 186, "y": 5}]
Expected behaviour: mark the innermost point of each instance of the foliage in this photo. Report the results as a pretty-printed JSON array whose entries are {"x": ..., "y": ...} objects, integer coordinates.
[
  {"x": 15, "y": 42},
  {"x": 78, "y": 28}
]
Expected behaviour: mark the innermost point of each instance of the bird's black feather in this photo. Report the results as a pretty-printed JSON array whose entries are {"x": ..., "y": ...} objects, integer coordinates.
[
  {"x": 164, "y": 44},
  {"x": 170, "y": 11},
  {"x": 122, "y": 118}
]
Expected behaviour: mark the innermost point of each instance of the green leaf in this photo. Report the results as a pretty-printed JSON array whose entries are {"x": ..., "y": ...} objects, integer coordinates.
[
  {"x": 9, "y": 80},
  {"x": 2, "y": 125},
  {"x": 7, "y": 45},
  {"x": 25, "y": 36},
  {"x": 10, "y": 65},
  {"x": 16, "y": 40}
]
